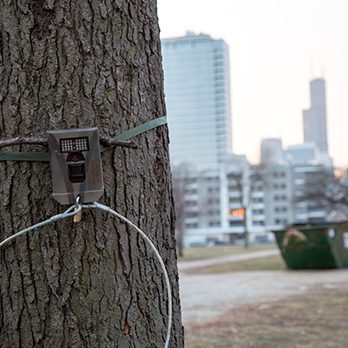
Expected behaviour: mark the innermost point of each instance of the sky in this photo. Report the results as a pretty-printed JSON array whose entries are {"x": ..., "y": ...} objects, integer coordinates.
[{"x": 276, "y": 48}]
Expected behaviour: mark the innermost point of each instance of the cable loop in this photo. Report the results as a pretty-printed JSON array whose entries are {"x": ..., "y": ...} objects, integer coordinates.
[
  {"x": 76, "y": 209},
  {"x": 71, "y": 211}
]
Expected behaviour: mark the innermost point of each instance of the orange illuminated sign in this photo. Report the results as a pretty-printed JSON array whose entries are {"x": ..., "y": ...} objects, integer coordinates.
[{"x": 237, "y": 212}]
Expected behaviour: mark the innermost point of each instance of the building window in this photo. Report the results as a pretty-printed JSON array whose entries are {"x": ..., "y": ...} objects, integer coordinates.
[
  {"x": 279, "y": 186},
  {"x": 280, "y": 209},
  {"x": 218, "y": 56},
  {"x": 233, "y": 188},
  {"x": 258, "y": 211},
  {"x": 190, "y": 192},
  {"x": 191, "y": 180},
  {"x": 191, "y": 225},
  {"x": 278, "y": 174},
  {"x": 280, "y": 198},
  {"x": 234, "y": 200},
  {"x": 258, "y": 223},
  {"x": 191, "y": 214},
  {"x": 236, "y": 223},
  {"x": 257, "y": 200},
  {"x": 280, "y": 221},
  {"x": 191, "y": 203}
]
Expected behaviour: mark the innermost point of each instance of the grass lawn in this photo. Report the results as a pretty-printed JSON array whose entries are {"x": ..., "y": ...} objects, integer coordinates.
[
  {"x": 315, "y": 320},
  {"x": 268, "y": 263},
  {"x": 201, "y": 253}
]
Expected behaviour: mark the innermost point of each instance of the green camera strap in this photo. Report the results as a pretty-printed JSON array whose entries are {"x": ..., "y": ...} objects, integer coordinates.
[{"x": 44, "y": 156}]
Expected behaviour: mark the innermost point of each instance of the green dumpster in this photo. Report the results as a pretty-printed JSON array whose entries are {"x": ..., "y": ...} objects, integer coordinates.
[{"x": 314, "y": 246}]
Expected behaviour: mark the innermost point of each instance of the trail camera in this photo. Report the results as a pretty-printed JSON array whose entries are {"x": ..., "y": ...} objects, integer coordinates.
[{"x": 75, "y": 165}]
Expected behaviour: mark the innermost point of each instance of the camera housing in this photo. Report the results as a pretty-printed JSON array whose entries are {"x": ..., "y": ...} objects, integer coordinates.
[{"x": 75, "y": 165}]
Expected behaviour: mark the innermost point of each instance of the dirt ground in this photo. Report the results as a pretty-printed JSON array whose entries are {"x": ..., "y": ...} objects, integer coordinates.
[
  {"x": 205, "y": 296},
  {"x": 317, "y": 318}
]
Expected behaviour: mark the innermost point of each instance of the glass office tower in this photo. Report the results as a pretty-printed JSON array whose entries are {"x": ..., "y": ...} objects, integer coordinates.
[{"x": 197, "y": 90}]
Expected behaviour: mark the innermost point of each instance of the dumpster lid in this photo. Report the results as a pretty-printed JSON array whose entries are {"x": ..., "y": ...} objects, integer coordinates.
[{"x": 309, "y": 226}]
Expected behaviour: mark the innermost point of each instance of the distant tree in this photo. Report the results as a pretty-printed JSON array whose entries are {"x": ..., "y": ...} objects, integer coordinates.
[
  {"x": 180, "y": 175},
  {"x": 326, "y": 189}
]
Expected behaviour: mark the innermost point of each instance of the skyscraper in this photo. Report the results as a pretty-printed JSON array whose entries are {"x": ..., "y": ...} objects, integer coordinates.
[
  {"x": 314, "y": 119},
  {"x": 197, "y": 90}
]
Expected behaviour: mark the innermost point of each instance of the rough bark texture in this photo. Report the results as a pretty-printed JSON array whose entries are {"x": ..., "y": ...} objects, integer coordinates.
[{"x": 85, "y": 63}]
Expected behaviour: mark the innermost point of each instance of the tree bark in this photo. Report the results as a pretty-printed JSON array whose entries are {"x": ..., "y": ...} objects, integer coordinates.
[{"x": 90, "y": 63}]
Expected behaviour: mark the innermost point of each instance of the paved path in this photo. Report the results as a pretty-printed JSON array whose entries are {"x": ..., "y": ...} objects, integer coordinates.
[
  {"x": 205, "y": 296},
  {"x": 185, "y": 265}
]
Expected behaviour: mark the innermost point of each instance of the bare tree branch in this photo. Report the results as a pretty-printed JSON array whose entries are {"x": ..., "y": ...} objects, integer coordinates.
[
  {"x": 179, "y": 180},
  {"x": 23, "y": 141},
  {"x": 106, "y": 141},
  {"x": 326, "y": 189}
]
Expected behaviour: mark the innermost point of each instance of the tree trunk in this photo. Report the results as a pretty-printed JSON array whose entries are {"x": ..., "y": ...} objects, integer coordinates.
[
  {"x": 81, "y": 64},
  {"x": 246, "y": 231}
]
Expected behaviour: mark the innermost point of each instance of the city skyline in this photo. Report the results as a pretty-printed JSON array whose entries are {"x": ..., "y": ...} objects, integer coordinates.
[{"x": 276, "y": 48}]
